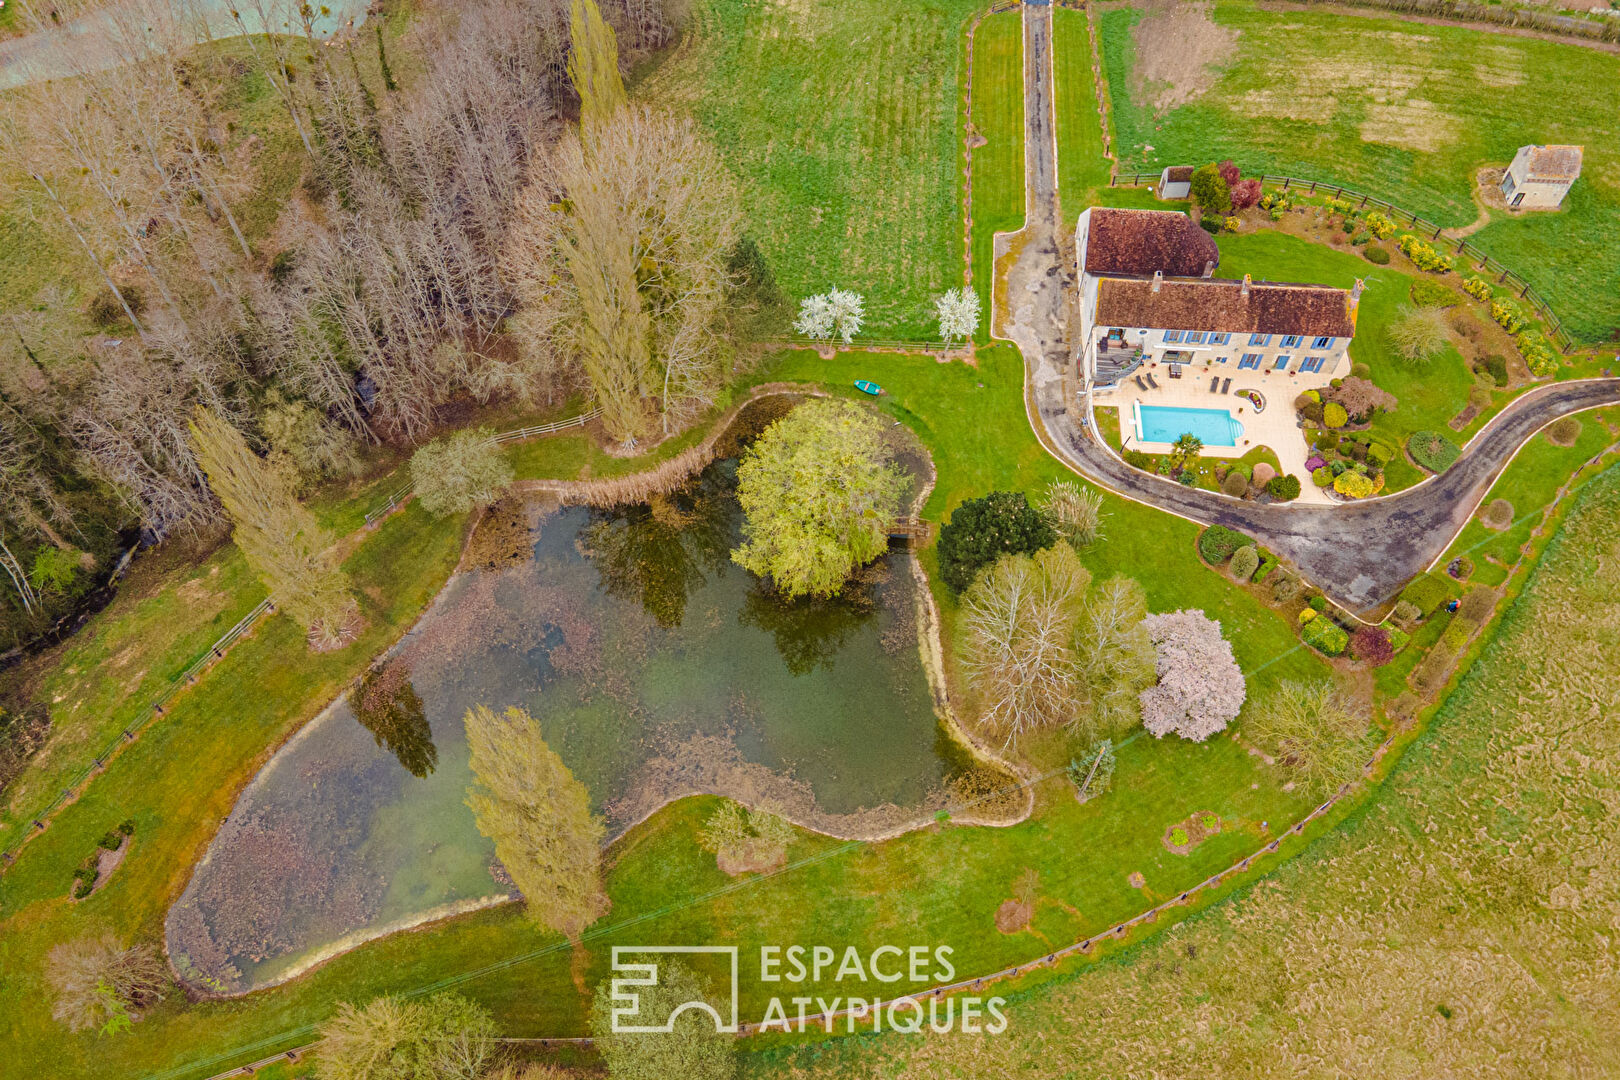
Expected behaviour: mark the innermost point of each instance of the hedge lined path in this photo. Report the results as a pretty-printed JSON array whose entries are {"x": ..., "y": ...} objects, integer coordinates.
[{"x": 1359, "y": 553}]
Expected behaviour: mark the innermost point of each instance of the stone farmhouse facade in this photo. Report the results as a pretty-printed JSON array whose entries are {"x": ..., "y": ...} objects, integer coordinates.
[
  {"x": 1148, "y": 295},
  {"x": 1540, "y": 177}
]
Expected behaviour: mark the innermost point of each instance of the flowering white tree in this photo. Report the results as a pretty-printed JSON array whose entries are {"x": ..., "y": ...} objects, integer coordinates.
[
  {"x": 958, "y": 313},
  {"x": 839, "y": 312},
  {"x": 1200, "y": 687}
]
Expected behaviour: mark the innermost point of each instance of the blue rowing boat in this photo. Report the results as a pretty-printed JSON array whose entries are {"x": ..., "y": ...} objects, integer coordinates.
[{"x": 868, "y": 387}]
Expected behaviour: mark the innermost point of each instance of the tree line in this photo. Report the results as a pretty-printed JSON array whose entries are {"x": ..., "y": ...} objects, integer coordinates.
[{"x": 453, "y": 235}]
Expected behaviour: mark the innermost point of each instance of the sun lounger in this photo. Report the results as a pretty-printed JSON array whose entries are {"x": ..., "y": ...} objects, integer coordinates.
[
  {"x": 1226, "y": 386},
  {"x": 1215, "y": 384},
  {"x": 1152, "y": 382},
  {"x": 1140, "y": 385}
]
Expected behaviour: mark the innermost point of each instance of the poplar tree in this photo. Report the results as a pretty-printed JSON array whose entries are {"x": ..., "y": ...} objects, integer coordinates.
[
  {"x": 279, "y": 537},
  {"x": 528, "y": 802}
]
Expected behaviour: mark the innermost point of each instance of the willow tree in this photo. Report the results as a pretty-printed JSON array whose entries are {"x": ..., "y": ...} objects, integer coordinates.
[
  {"x": 539, "y": 817},
  {"x": 619, "y": 250},
  {"x": 278, "y": 536}
]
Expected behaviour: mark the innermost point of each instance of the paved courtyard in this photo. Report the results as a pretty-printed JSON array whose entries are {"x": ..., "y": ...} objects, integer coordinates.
[{"x": 1276, "y": 426}]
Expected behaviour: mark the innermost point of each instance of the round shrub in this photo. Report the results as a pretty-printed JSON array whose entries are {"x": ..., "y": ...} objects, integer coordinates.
[
  {"x": 1306, "y": 615},
  {"x": 1372, "y": 644},
  {"x": 1376, "y": 255},
  {"x": 1235, "y": 484},
  {"x": 1353, "y": 485},
  {"x": 1564, "y": 431},
  {"x": 1263, "y": 473},
  {"x": 1313, "y": 410},
  {"x": 1217, "y": 543},
  {"x": 1432, "y": 450},
  {"x": 1322, "y": 477},
  {"x": 1325, "y": 636},
  {"x": 1245, "y": 561},
  {"x": 1283, "y": 488},
  {"x": 1334, "y": 415}
]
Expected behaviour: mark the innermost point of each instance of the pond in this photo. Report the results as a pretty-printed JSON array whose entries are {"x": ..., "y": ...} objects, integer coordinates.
[{"x": 656, "y": 668}]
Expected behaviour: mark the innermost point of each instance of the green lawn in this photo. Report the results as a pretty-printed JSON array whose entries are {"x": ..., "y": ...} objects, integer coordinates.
[
  {"x": 1529, "y": 484},
  {"x": 1450, "y": 928},
  {"x": 1081, "y": 165},
  {"x": 841, "y": 120},
  {"x": 1407, "y": 112},
  {"x": 998, "y": 165},
  {"x": 1429, "y": 395},
  {"x": 180, "y": 779}
]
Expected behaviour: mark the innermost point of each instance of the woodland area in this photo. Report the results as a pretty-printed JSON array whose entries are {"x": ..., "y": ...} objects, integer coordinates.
[{"x": 432, "y": 243}]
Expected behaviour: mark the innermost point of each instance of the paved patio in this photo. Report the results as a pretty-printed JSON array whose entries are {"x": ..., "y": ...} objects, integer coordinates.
[{"x": 1276, "y": 426}]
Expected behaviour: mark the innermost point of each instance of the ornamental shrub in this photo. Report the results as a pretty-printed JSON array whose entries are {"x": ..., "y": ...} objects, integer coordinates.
[
  {"x": 1405, "y": 611},
  {"x": 1235, "y": 484},
  {"x": 1325, "y": 636},
  {"x": 1212, "y": 223},
  {"x": 1322, "y": 477},
  {"x": 1307, "y": 615},
  {"x": 1429, "y": 293},
  {"x": 1398, "y": 638},
  {"x": 1496, "y": 365},
  {"x": 1380, "y": 454},
  {"x": 1283, "y": 488},
  {"x": 1538, "y": 353},
  {"x": 1209, "y": 187},
  {"x": 1138, "y": 460},
  {"x": 1424, "y": 256},
  {"x": 1268, "y": 563},
  {"x": 1376, "y": 255},
  {"x": 1353, "y": 485},
  {"x": 1217, "y": 543},
  {"x": 1372, "y": 644},
  {"x": 1508, "y": 315},
  {"x": 1312, "y": 411},
  {"x": 1245, "y": 561},
  {"x": 1477, "y": 287},
  {"x": 1426, "y": 592},
  {"x": 1232, "y": 224},
  {"x": 1432, "y": 450},
  {"x": 1380, "y": 225},
  {"x": 1334, "y": 415}
]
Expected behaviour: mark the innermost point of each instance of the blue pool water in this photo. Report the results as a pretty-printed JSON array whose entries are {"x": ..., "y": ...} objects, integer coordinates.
[{"x": 1166, "y": 424}]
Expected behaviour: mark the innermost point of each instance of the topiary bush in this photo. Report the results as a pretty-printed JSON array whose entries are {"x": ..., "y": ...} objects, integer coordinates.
[
  {"x": 1432, "y": 450},
  {"x": 1283, "y": 488},
  {"x": 1334, "y": 415},
  {"x": 1353, "y": 485},
  {"x": 1235, "y": 484},
  {"x": 1380, "y": 453},
  {"x": 1245, "y": 561},
  {"x": 1217, "y": 543},
  {"x": 1376, "y": 255},
  {"x": 1323, "y": 476},
  {"x": 1325, "y": 636}
]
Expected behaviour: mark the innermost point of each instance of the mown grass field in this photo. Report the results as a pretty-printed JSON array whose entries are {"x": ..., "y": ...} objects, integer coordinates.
[
  {"x": 1408, "y": 112},
  {"x": 942, "y": 885},
  {"x": 998, "y": 165},
  {"x": 1082, "y": 169},
  {"x": 841, "y": 120},
  {"x": 1459, "y": 925}
]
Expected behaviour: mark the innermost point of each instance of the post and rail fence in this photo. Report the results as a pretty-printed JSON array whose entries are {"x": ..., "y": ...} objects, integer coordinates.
[
  {"x": 216, "y": 651},
  {"x": 1483, "y": 261}
]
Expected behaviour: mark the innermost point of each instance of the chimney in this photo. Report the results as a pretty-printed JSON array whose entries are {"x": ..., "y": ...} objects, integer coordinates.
[
  {"x": 1247, "y": 281},
  {"x": 1209, "y": 267},
  {"x": 1158, "y": 279}
]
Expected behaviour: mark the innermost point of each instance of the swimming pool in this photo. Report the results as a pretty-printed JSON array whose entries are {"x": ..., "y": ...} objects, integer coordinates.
[{"x": 1166, "y": 424}]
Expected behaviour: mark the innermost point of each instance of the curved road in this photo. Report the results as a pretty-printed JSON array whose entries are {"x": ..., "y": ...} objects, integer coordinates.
[{"x": 1361, "y": 553}]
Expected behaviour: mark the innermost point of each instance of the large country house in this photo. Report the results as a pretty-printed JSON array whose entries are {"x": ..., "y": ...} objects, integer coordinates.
[{"x": 1148, "y": 295}]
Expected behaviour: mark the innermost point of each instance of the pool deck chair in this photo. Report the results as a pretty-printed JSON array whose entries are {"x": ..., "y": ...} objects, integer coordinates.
[
  {"x": 1140, "y": 385},
  {"x": 1215, "y": 385},
  {"x": 1226, "y": 386},
  {"x": 1151, "y": 381}
]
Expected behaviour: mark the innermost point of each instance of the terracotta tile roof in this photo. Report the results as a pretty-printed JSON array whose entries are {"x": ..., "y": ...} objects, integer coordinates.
[
  {"x": 1553, "y": 163},
  {"x": 1144, "y": 241},
  {"x": 1178, "y": 174},
  {"x": 1219, "y": 304}
]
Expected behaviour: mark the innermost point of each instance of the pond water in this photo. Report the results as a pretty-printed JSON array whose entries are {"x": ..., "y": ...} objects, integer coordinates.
[{"x": 656, "y": 668}]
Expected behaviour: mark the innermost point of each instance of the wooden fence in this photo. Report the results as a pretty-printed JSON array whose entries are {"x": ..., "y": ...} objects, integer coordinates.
[{"x": 1482, "y": 261}]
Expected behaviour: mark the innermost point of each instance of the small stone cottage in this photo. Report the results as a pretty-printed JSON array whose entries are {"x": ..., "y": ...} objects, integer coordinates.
[{"x": 1540, "y": 176}]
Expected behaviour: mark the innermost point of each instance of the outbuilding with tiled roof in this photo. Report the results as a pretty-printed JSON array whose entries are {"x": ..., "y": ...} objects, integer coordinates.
[{"x": 1540, "y": 176}]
